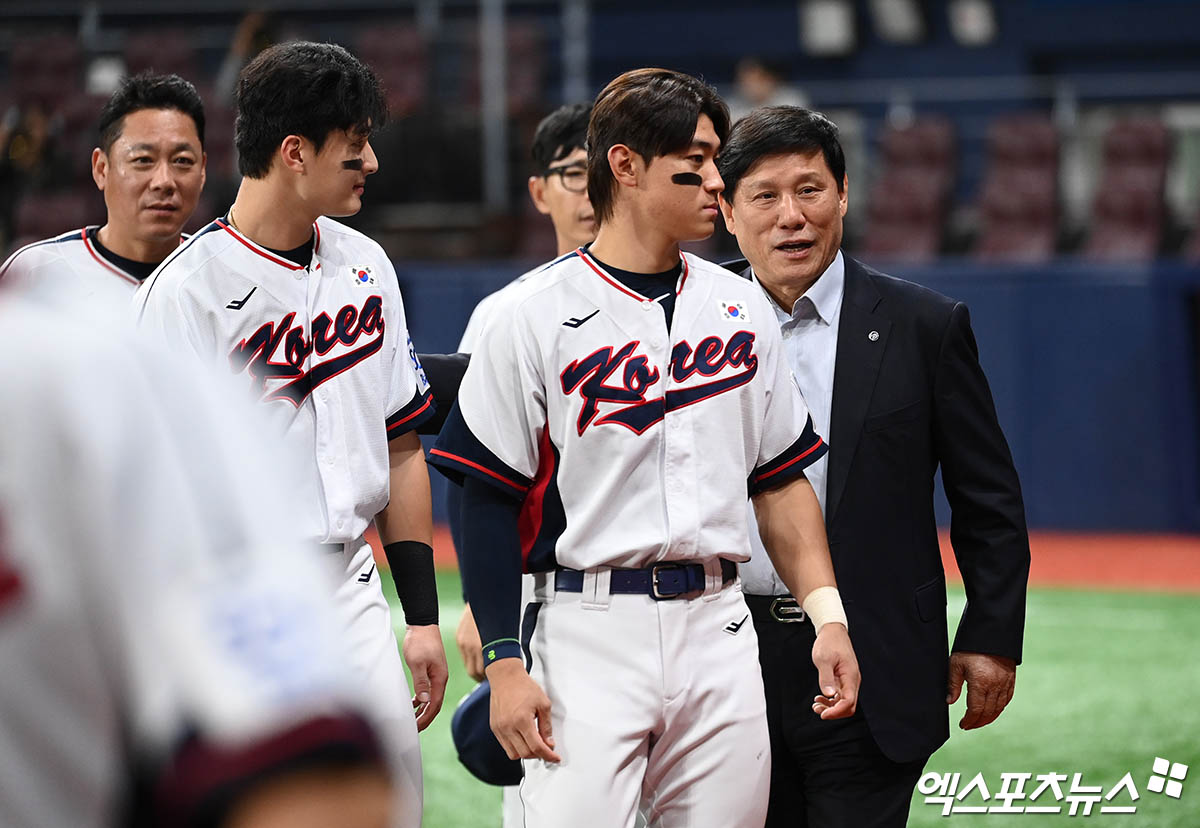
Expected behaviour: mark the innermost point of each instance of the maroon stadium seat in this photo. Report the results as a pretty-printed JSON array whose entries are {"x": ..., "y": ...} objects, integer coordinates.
[
  {"x": 1129, "y": 213},
  {"x": 1018, "y": 202}
]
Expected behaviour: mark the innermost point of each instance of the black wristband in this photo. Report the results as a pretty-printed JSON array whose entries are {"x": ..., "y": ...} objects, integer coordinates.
[{"x": 411, "y": 563}]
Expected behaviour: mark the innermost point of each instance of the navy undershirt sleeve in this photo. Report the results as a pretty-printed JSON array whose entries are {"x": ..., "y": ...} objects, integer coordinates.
[
  {"x": 454, "y": 497},
  {"x": 491, "y": 561}
]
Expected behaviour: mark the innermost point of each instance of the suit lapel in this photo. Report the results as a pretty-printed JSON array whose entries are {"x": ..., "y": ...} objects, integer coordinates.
[{"x": 856, "y": 368}]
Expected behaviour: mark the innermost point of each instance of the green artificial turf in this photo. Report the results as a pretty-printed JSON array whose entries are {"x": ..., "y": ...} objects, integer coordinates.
[{"x": 1110, "y": 681}]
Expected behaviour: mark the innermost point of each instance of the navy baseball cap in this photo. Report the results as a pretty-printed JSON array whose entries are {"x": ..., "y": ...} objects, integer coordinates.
[{"x": 478, "y": 748}]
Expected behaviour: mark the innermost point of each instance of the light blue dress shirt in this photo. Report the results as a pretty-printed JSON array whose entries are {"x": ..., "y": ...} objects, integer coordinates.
[{"x": 810, "y": 340}]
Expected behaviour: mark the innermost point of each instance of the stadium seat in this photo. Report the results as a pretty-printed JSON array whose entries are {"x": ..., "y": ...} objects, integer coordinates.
[
  {"x": 524, "y": 51},
  {"x": 48, "y": 69},
  {"x": 906, "y": 209},
  {"x": 166, "y": 51},
  {"x": 904, "y": 217},
  {"x": 79, "y": 116},
  {"x": 399, "y": 55},
  {"x": 40, "y": 215},
  {"x": 1018, "y": 202},
  {"x": 1129, "y": 215},
  {"x": 1018, "y": 216}
]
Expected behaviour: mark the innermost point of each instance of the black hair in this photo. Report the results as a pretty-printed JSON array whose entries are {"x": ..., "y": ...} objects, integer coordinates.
[
  {"x": 651, "y": 111},
  {"x": 559, "y": 134},
  {"x": 148, "y": 90},
  {"x": 775, "y": 130},
  {"x": 306, "y": 89}
]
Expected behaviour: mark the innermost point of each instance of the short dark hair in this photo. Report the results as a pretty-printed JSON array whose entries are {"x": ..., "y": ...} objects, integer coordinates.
[
  {"x": 559, "y": 134},
  {"x": 148, "y": 90},
  {"x": 775, "y": 130},
  {"x": 653, "y": 112},
  {"x": 306, "y": 89}
]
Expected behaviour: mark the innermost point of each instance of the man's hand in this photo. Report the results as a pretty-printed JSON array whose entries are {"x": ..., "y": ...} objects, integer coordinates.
[
  {"x": 520, "y": 712},
  {"x": 837, "y": 671},
  {"x": 470, "y": 647},
  {"x": 426, "y": 660},
  {"x": 991, "y": 681}
]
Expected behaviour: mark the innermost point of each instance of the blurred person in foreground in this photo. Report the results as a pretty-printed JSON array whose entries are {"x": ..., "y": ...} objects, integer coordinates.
[
  {"x": 150, "y": 166},
  {"x": 307, "y": 314},
  {"x": 170, "y": 655},
  {"x": 891, "y": 373}
]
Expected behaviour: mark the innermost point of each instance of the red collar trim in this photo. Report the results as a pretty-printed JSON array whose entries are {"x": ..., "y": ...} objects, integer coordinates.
[
  {"x": 263, "y": 252},
  {"x": 105, "y": 263},
  {"x": 590, "y": 262}
]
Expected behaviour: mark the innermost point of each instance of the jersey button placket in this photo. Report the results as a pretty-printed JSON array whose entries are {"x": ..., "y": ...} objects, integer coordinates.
[
  {"x": 324, "y": 418},
  {"x": 670, "y": 437}
]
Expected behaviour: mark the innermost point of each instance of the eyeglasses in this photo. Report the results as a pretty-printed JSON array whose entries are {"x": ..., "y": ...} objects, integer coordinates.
[{"x": 574, "y": 177}]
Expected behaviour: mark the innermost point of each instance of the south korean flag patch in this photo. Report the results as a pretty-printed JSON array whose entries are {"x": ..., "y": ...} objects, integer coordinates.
[
  {"x": 734, "y": 310},
  {"x": 363, "y": 274}
]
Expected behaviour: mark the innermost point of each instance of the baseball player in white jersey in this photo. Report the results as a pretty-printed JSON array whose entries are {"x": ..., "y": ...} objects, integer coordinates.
[
  {"x": 150, "y": 166},
  {"x": 309, "y": 312},
  {"x": 170, "y": 657},
  {"x": 606, "y": 435}
]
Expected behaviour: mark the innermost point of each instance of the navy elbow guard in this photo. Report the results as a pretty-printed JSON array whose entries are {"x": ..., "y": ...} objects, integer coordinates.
[{"x": 411, "y": 563}]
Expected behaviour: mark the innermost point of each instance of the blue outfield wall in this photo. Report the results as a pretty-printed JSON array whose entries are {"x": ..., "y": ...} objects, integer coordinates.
[{"x": 1093, "y": 369}]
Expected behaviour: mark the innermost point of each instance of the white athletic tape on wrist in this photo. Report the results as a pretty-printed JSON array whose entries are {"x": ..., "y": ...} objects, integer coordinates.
[{"x": 823, "y": 605}]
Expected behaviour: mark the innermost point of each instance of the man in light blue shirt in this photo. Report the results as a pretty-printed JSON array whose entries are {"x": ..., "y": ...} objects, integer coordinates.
[{"x": 890, "y": 372}]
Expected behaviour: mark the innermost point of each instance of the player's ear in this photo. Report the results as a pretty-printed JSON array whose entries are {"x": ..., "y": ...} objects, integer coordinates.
[
  {"x": 203, "y": 168},
  {"x": 99, "y": 168},
  {"x": 626, "y": 165},
  {"x": 291, "y": 153},
  {"x": 727, "y": 214},
  {"x": 537, "y": 193},
  {"x": 844, "y": 195}
]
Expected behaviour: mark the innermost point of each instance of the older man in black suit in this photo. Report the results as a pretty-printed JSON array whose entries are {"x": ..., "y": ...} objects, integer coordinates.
[{"x": 891, "y": 373}]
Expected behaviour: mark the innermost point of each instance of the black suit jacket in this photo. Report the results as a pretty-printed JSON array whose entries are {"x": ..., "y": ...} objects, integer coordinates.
[{"x": 909, "y": 395}]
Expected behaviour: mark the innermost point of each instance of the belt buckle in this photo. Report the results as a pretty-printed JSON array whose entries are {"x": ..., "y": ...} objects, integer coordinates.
[
  {"x": 654, "y": 591},
  {"x": 786, "y": 610}
]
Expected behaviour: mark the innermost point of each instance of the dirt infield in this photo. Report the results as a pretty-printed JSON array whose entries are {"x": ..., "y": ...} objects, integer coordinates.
[{"x": 1168, "y": 563}]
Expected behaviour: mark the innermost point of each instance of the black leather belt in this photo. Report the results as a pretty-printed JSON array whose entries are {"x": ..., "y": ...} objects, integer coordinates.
[
  {"x": 662, "y": 581},
  {"x": 782, "y": 608}
]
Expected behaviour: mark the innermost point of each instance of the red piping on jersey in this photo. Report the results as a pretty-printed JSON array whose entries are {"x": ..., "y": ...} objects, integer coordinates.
[
  {"x": 529, "y": 521},
  {"x": 251, "y": 245},
  {"x": 484, "y": 469},
  {"x": 87, "y": 243},
  {"x": 401, "y": 422},
  {"x": 795, "y": 459},
  {"x": 583, "y": 254}
]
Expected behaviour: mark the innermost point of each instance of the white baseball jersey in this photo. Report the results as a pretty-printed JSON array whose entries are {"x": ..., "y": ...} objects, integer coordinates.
[
  {"x": 629, "y": 445},
  {"x": 325, "y": 346},
  {"x": 69, "y": 268},
  {"x": 148, "y": 588}
]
